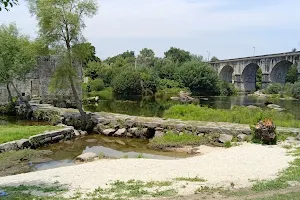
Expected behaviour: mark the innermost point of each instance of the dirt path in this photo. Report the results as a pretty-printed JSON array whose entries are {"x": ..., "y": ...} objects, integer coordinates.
[{"x": 238, "y": 165}]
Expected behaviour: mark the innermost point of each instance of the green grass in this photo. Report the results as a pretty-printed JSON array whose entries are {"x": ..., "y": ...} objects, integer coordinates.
[
  {"x": 241, "y": 115},
  {"x": 15, "y": 132},
  {"x": 133, "y": 189},
  {"x": 171, "y": 139},
  {"x": 188, "y": 179},
  {"x": 288, "y": 196}
]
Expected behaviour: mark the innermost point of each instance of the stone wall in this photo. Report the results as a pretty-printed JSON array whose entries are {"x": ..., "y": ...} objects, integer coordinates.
[{"x": 37, "y": 82}]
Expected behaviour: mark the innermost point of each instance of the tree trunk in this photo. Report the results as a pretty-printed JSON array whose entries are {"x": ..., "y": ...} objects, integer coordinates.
[
  {"x": 20, "y": 96},
  {"x": 9, "y": 93}
]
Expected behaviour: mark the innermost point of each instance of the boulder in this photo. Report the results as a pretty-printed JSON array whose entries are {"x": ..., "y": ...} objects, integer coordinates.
[
  {"x": 83, "y": 132},
  {"x": 120, "y": 142},
  {"x": 298, "y": 137},
  {"x": 120, "y": 132},
  {"x": 159, "y": 134},
  {"x": 9, "y": 146},
  {"x": 76, "y": 132},
  {"x": 85, "y": 157},
  {"x": 241, "y": 137},
  {"x": 225, "y": 138},
  {"x": 133, "y": 131},
  {"x": 23, "y": 143},
  {"x": 129, "y": 135},
  {"x": 109, "y": 131}
]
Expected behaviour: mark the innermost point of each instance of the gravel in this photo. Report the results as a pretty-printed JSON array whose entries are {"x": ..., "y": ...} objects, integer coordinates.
[{"x": 239, "y": 165}]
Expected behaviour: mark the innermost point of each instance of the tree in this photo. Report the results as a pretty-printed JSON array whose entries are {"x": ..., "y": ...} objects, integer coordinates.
[
  {"x": 85, "y": 52},
  {"x": 258, "y": 84},
  {"x": 17, "y": 57},
  {"x": 294, "y": 50},
  {"x": 178, "y": 55},
  {"x": 292, "y": 74},
  {"x": 61, "y": 24},
  {"x": 7, "y": 3},
  {"x": 146, "y": 58},
  {"x": 214, "y": 59}
]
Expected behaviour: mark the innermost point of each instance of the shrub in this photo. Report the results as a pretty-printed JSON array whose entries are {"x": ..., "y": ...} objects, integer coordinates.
[
  {"x": 274, "y": 88},
  {"x": 287, "y": 89},
  {"x": 166, "y": 83},
  {"x": 226, "y": 89},
  {"x": 296, "y": 90},
  {"x": 127, "y": 82},
  {"x": 95, "y": 85}
]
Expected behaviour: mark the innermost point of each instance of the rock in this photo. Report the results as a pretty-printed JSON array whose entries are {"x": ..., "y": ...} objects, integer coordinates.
[
  {"x": 265, "y": 131},
  {"x": 298, "y": 137},
  {"x": 23, "y": 143},
  {"x": 129, "y": 135},
  {"x": 201, "y": 134},
  {"x": 57, "y": 138},
  {"x": 290, "y": 139},
  {"x": 241, "y": 137},
  {"x": 83, "y": 132},
  {"x": 91, "y": 140},
  {"x": 9, "y": 146},
  {"x": 225, "y": 138},
  {"x": 120, "y": 132},
  {"x": 252, "y": 107},
  {"x": 76, "y": 132},
  {"x": 159, "y": 134},
  {"x": 273, "y": 106},
  {"x": 120, "y": 142},
  {"x": 107, "y": 140},
  {"x": 109, "y": 131},
  {"x": 133, "y": 131},
  {"x": 85, "y": 157}
]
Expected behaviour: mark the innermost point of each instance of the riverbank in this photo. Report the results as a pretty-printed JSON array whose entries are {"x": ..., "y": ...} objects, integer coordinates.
[{"x": 222, "y": 168}]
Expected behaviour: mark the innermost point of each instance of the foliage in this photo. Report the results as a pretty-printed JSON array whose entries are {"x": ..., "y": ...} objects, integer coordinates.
[
  {"x": 127, "y": 82},
  {"x": 7, "y": 3},
  {"x": 146, "y": 58},
  {"x": 258, "y": 84},
  {"x": 85, "y": 52},
  {"x": 178, "y": 55},
  {"x": 241, "y": 115},
  {"x": 274, "y": 88},
  {"x": 95, "y": 85},
  {"x": 226, "y": 89},
  {"x": 166, "y": 83},
  {"x": 292, "y": 74},
  {"x": 148, "y": 83},
  {"x": 296, "y": 90},
  {"x": 214, "y": 59},
  {"x": 199, "y": 76}
]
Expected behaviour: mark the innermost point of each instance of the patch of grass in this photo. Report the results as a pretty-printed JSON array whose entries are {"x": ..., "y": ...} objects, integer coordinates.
[
  {"x": 14, "y": 162},
  {"x": 287, "y": 146},
  {"x": 208, "y": 190},
  {"x": 237, "y": 114},
  {"x": 227, "y": 144},
  {"x": 261, "y": 186},
  {"x": 133, "y": 189},
  {"x": 288, "y": 196},
  {"x": 171, "y": 139},
  {"x": 140, "y": 156},
  {"x": 195, "y": 179},
  {"x": 15, "y": 132}
]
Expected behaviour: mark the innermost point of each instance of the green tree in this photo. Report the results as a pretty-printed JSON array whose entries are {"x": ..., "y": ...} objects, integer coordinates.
[
  {"x": 214, "y": 59},
  {"x": 178, "y": 55},
  {"x": 292, "y": 74},
  {"x": 7, "y": 3},
  {"x": 85, "y": 52},
  {"x": 258, "y": 83},
  {"x": 61, "y": 23},
  {"x": 127, "y": 82},
  {"x": 17, "y": 57},
  {"x": 199, "y": 77},
  {"x": 146, "y": 58}
]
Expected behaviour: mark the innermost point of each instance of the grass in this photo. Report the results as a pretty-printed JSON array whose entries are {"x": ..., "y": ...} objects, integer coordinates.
[
  {"x": 188, "y": 179},
  {"x": 133, "y": 189},
  {"x": 107, "y": 94},
  {"x": 15, "y": 132},
  {"x": 288, "y": 196},
  {"x": 171, "y": 139},
  {"x": 241, "y": 115}
]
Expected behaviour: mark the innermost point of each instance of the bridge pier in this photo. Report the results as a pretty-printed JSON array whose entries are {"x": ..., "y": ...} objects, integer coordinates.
[
  {"x": 265, "y": 81},
  {"x": 238, "y": 83}
]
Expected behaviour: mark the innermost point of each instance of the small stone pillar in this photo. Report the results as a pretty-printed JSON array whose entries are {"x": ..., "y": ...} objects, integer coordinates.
[
  {"x": 238, "y": 81},
  {"x": 265, "y": 80}
]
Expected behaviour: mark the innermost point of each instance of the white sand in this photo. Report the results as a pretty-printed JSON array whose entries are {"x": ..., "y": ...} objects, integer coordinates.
[{"x": 239, "y": 165}]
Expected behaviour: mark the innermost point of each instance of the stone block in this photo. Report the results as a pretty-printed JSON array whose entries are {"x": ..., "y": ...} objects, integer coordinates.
[
  {"x": 9, "y": 146},
  {"x": 225, "y": 138},
  {"x": 23, "y": 143},
  {"x": 109, "y": 131},
  {"x": 57, "y": 138},
  {"x": 120, "y": 132},
  {"x": 241, "y": 137}
]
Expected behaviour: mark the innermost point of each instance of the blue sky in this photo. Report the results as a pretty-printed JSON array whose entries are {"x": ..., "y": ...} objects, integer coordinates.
[{"x": 225, "y": 28}]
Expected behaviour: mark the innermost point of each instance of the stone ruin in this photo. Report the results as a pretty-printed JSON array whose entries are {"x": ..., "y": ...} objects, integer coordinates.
[{"x": 36, "y": 84}]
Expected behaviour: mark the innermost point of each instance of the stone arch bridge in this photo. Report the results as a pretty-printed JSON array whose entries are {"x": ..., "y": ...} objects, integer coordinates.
[{"x": 242, "y": 71}]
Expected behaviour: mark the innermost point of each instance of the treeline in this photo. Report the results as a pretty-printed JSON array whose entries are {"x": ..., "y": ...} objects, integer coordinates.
[{"x": 146, "y": 74}]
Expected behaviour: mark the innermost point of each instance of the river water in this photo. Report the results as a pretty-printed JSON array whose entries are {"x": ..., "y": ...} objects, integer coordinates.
[{"x": 64, "y": 153}]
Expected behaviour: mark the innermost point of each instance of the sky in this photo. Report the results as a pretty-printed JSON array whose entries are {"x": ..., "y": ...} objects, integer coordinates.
[{"x": 222, "y": 28}]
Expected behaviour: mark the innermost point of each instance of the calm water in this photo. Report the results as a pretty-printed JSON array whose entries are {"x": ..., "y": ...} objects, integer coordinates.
[{"x": 151, "y": 107}]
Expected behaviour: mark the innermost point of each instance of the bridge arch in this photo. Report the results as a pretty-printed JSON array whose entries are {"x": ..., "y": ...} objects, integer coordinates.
[
  {"x": 226, "y": 73},
  {"x": 249, "y": 77},
  {"x": 279, "y": 71}
]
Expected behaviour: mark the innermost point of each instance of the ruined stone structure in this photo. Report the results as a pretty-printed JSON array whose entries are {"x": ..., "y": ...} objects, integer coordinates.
[
  {"x": 37, "y": 82},
  {"x": 242, "y": 71}
]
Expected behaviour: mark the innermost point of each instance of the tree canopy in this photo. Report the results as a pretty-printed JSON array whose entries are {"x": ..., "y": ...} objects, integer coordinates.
[{"x": 6, "y": 4}]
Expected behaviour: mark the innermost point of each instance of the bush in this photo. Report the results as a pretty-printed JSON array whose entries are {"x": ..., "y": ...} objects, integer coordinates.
[
  {"x": 166, "y": 83},
  {"x": 127, "y": 82},
  {"x": 287, "y": 89},
  {"x": 95, "y": 85},
  {"x": 199, "y": 77},
  {"x": 226, "y": 89},
  {"x": 296, "y": 90},
  {"x": 274, "y": 88}
]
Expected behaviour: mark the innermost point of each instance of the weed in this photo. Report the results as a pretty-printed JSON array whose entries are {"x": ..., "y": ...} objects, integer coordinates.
[
  {"x": 227, "y": 144},
  {"x": 195, "y": 179},
  {"x": 101, "y": 155},
  {"x": 140, "y": 156}
]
